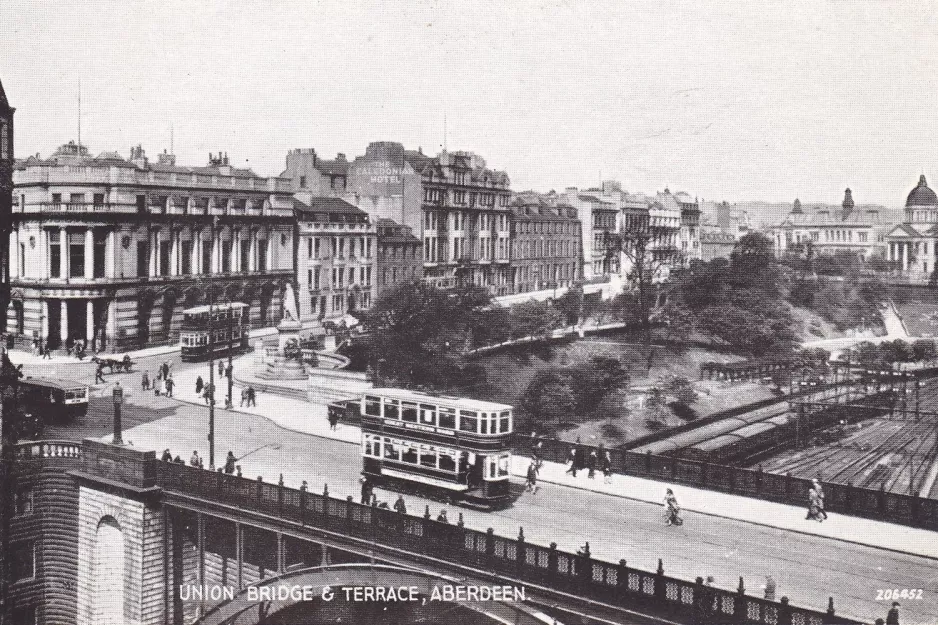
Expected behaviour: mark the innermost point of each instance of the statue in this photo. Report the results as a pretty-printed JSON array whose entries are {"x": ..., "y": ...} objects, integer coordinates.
[{"x": 289, "y": 305}]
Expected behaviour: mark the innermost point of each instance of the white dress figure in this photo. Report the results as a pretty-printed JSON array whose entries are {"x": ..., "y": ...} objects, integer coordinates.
[{"x": 289, "y": 305}]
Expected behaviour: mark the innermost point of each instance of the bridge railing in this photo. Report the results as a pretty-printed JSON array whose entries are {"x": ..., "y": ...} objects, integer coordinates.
[
  {"x": 868, "y": 503},
  {"x": 511, "y": 558}
]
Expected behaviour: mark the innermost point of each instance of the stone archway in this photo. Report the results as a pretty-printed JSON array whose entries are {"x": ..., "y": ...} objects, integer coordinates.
[
  {"x": 145, "y": 301},
  {"x": 167, "y": 309},
  {"x": 107, "y": 596}
]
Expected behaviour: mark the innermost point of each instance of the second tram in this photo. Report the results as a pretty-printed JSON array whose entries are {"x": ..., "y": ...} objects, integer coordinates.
[
  {"x": 218, "y": 329},
  {"x": 457, "y": 449},
  {"x": 54, "y": 399}
]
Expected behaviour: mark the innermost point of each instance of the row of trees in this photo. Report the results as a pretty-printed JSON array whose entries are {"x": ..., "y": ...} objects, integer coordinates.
[{"x": 889, "y": 353}]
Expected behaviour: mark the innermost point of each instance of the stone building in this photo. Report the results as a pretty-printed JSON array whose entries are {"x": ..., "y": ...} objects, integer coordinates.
[
  {"x": 111, "y": 250},
  {"x": 911, "y": 245},
  {"x": 454, "y": 203},
  {"x": 400, "y": 255},
  {"x": 545, "y": 244},
  {"x": 335, "y": 259},
  {"x": 313, "y": 176},
  {"x": 6, "y": 197},
  {"x": 599, "y": 219}
]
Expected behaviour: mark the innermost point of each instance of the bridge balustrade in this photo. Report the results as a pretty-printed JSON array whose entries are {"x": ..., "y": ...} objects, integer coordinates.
[{"x": 513, "y": 559}]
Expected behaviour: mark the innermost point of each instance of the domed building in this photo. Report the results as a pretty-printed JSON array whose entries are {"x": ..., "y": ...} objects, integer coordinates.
[{"x": 911, "y": 245}]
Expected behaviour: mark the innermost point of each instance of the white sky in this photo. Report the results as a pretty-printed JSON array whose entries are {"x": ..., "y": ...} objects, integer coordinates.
[{"x": 736, "y": 101}]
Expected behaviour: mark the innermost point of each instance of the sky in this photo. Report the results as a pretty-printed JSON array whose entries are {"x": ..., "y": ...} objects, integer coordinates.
[{"x": 724, "y": 100}]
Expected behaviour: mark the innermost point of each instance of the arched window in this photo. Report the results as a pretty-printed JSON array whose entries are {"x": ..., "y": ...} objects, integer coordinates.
[{"x": 107, "y": 573}]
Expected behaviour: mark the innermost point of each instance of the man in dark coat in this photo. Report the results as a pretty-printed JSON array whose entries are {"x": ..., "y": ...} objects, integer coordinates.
[
  {"x": 893, "y": 617},
  {"x": 230, "y": 463},
  {"x": 399, "y": 505},
  {"x": 366, "y": 490}
]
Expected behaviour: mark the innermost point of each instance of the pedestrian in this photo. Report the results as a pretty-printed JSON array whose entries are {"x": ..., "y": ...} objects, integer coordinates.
[
  {"x": 572, "y": 467},
  {"x": 366, "y": 489},
  {"x": 35, "y": 346},
  {"x": 169, "y": 383},
  {"x": 68, "y": 347},
  {"x": 893, "y": 617},
  {"x": 813, "y": 506},
  {"x": 531, "y": 485},
  {"x": 208, "y": 394},
  {"x": 195, "y": 460},
  {"x": 244, "y": 396},
  {"x": 178, "y": 460},
  {"x": 591, "y": 464},
  {"x": 201, "y": 466},
  {"x": 165, "y": 369},
  {"x": 47, "y": 353},
  {"x": 769, "y": 588},
  {"x": 252, "y": 397},
  {"x": 441, "y": 517},
  {"x": 822, "y": 514},
  {"x": 99, "y": 375},
  {"x": 167, "y": 456},
  {"x": 221, "y": 368},
  {"x": 199, "y": 385},
  {"x": 399, "y": 505},
  {"x": 230, "y": 463},
  {"x": 333, "y": 419},
  {"x": 607, "y": 467},
  {"x": 672, "y": 509}
]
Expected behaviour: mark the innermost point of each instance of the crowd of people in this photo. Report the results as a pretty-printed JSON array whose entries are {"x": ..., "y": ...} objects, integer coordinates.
[{"x": 195, "y": 460}]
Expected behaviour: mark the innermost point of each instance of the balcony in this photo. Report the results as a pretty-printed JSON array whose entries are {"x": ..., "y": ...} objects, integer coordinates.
[{"x": 78, "y": 207}]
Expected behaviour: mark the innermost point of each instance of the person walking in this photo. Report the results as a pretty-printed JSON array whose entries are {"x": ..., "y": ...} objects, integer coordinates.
[
  {"x": 572, "y": 468},
  {"x": 892, "y": 618},
  {"x": 221, "y": 368},
  {"x": 167, "y": 456},
  {"x": 145, "y": 381},
  {"x": 814, "y": 503},
  {"x": 672, "y": 509},
  {"x": 822, "y": 514},
  {"x": 441, "y": 517},
  {"x": 607, "y": 467},
  {"x": 366, "y": 489},
  {"x": 244, "y": 396},
  {"x": 252, "y": 397},
  {"x": 165, "y": 369},
  {"x": 230, "y": 463},
  {"x": 591, "y": 461},
  {"x": 46, "y": 352},
  {"x": 399, "y": 505},
  {"x": 199, "y": 385},
  {"x": 99, "y": 374},
  {"x": 769, "y": 588},
  {"x": 531, "y": 485},
  {"x": 194, "y": 460},
  {"x": 169, "y": 383}
]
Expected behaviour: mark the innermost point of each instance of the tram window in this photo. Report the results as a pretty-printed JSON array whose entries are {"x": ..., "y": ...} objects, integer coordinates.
[
  {"x": 502, "y": 466},
  {"x": 391, "y": 409},
  {"x": 390, "y": 451},
  {"x": 368, "y": 446},
  {"x": 409, "y": 412},
  {"x": 409, "y": 455},
  {"x": 492, "y": 466},
  {"x": 468, "y": 421},
  {"x": 448, "y": 418},
  {"x": 505, "y": 419},
  {"x": 447, "y": 463},
  {"x": 427, "y": 414},
  {"x": 484, "y": 422},
  {"x": 428, "y": 457},
  {"x": 372, "y": 406}
]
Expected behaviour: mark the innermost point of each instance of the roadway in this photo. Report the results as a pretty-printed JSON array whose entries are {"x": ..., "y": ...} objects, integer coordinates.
[{"x": 808, "y": 569}]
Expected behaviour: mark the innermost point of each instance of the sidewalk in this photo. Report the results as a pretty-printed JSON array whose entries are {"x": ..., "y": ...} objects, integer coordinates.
[
  {"x": 308, "y": 418},
  {"x": 60, "y": 356},
  {"x": 290, "y": 414}
]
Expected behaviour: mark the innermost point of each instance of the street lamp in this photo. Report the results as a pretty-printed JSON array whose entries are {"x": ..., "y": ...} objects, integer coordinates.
[
  {"x": 211, "y": 357},
  {"x": 118, "y": 397}
]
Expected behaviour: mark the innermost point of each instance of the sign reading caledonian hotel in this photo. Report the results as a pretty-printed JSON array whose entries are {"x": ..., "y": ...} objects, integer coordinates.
[{"x": 380, "y": 172}]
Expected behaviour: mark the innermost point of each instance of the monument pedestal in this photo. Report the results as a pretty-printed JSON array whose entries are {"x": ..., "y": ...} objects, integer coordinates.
[{"x": 280, "y": 367}]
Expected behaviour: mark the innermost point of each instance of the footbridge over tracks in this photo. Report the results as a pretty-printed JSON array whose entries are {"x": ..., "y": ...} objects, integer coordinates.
[{"x": 127, "y": 538}]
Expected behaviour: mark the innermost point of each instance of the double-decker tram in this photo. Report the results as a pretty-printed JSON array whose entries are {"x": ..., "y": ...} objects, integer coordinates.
[
  {"x": 54, "y": 399},
  {"x": 220, "y": 328},
  {"x": 457, "y": 449}
]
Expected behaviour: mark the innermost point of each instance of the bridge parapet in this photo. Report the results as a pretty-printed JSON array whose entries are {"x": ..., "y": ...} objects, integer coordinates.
[
  {"x": 510, "y": 560},
  {"x": 38, "y": 450}
]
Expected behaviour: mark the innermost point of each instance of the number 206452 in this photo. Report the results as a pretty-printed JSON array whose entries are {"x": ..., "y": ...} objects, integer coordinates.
[{"x": 889, "y": 594}]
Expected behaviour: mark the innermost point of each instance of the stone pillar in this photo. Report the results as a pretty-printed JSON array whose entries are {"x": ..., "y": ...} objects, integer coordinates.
[
  {"x": 153, "y": 238},
  {"x": 252, "y": 260},
  {"x": 216, "y": 251},
  {"x": 236, "y": 250},
  {"x": 174, "y": 252},
  {"x": 112, "y": 321},
  {"x": 905, "y": 256},
  {"x": 89, "y": 253},
  {"x": 63, "y": 255},
  {"x": 270, "y": 249},
  {"x": 63, "y": 320},
  {"x": 44, "y": 319},
  {"x": 89, "y": 321},
  {"x": 196, "y": 251},
  {"x": 110, "y": 254}
]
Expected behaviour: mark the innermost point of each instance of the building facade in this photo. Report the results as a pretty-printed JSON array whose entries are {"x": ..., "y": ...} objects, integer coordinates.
[
  {"x": 313, "y": 176},
  {"x": 689, "y": 234},
  {"x": 400, "y": 256},
  {"x": 827, "y": 231},
  {"x": 546, "y": 244},
  {"x": 454, "y": 203},
  {"x": 911, "y": 245},
  {"x": 715, "y": 243},
  {"x": 335, "y": 262},
  {"x": 6, "y": 198},
  {"x": 111, "y": 250},
  {"x": 599, "y": 220}
]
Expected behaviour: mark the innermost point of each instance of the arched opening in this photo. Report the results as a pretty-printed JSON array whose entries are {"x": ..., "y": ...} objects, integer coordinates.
[
  {"x": 144, "y": 308},
  {"x": 169, "y": 305},
  {"x": 107, "y": 573}
]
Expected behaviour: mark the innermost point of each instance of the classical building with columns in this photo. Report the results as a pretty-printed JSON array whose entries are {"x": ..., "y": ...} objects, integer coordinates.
[
  {"x": 111, "y": 250},
  {"x": 912, "y": 244}
]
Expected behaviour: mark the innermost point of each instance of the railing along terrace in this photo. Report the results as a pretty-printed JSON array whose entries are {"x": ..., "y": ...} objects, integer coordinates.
[
  {"x": 868, "y": 503},
  {"x": 512, "y": 559},
  {"x": 37, "y": 450}
]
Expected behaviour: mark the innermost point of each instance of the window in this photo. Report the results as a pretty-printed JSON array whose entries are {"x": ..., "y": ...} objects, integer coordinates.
[
  {"x": 468, "y": 421},
  {"x": 316, "y": 247},
  {"x": 23, "y": 560},
  {"x": 302, "y": 182},
  {"x": 391, "y": 450},
  {"x": 391, "y": 409},
  {"x": 447, "y": 463},
  {"x": 262, "y": 255},
  {"x": 410, "y": 455},
  {"x": 428, "y": 457},
  {"x": 206, "y": 257},
  {"x": 24, "y": 501},
  {"x": 409, "y": 412},
  {"x": 372, "y": 406},
  {"x": 55, "y": 255},
  {"x": 163, "y": 268},
  {"x": 505, "y": 419}
]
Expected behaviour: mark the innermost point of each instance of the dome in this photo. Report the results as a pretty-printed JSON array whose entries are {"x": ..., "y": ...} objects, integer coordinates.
[{"x": 922, "y": 195}]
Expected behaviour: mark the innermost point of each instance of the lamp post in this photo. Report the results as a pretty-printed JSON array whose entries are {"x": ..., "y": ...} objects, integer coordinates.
[
  {"x": 118, "y": 396},
  {"x": 229, "y": 402},
  {"x": 211, "y": 358}
]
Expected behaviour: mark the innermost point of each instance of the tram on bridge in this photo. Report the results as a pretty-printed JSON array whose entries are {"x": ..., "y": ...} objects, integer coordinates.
[
  {"x": 451, "y": 448},
  {"x": 54, "y": 399},
  {"x": 220, "y": 329}
]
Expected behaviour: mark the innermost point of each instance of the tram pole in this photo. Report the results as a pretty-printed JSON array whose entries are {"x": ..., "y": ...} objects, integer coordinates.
[
  {"x": 211, "y": 359},
  {"x": 229, "y": 402}
]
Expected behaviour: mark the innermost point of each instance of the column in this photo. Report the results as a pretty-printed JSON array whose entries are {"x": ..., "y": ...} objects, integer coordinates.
[
  {"x": 111, "y": 322},
  {"x": 63, "y": 320},
  {"x": 196, "y": 236},
  {"x": 153, "y": 238},
  {"x": 14, "y": 254},
  {"x": 905, "y": 256},
  {"x": 44, "y": 320},
  {"x": 216, "y": 251},
  {"x": 252, "y": 260},
  {"x": 63, "y": 253},
  {"x": 89, "y": 253},
  {"x": 236, "y": 250},
  {"x": 110, "y": 254},
  {"x": 174, "y": 252},
  {"x": 89, "y": 321},
  {"x": 270, "y": 249}
]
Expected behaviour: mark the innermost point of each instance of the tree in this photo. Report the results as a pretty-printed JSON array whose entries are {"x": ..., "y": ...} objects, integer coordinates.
[
  {"x": 591, "y": 382},
  {"x": 534, "y": 319},
  {"x": 570, "y": 305},
  {"x": 547, "y": 401},
  {"x": 924, "y": 350}
]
